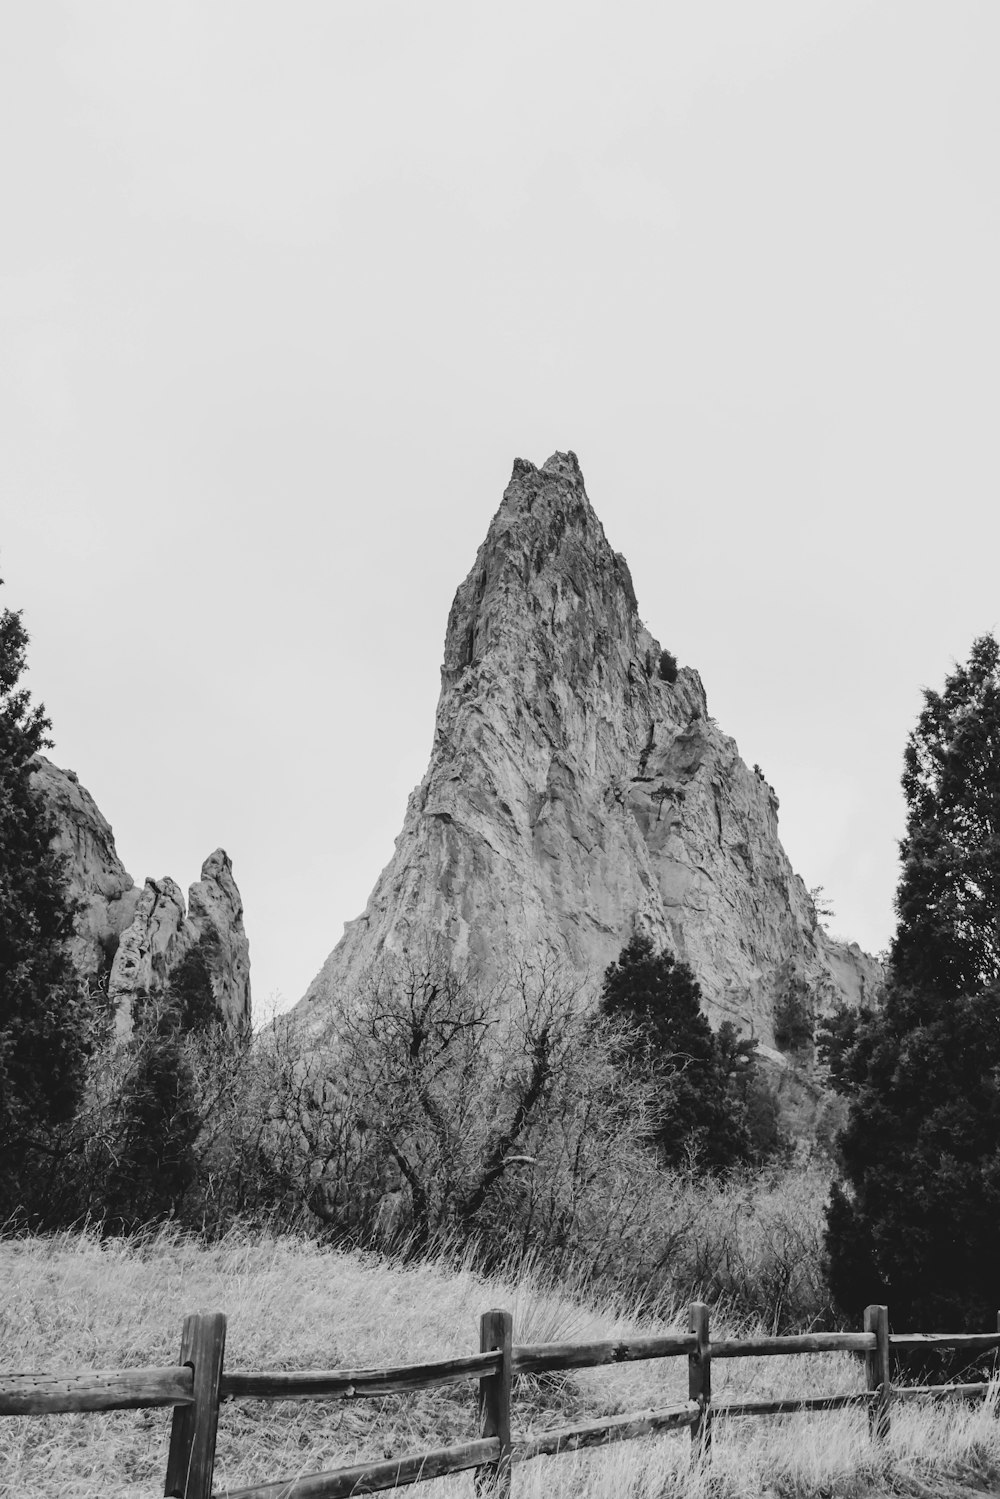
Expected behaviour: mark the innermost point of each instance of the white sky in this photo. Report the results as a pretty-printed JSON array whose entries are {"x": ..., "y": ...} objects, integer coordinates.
[{"x": 285, "y": 288}]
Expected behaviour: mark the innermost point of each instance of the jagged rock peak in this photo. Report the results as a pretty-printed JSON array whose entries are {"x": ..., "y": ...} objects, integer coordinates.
[
  {"x": 215, "y": 906},
  {"x": 544, "y": 532},
  {"x": 575, "y": 795}
]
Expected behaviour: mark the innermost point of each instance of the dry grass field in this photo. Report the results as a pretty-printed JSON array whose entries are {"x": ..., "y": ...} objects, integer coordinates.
[{"x": 70, "y": 1302}]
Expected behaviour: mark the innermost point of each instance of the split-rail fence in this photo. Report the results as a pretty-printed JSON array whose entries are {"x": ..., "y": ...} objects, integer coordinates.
[{"x": 196, "y": 1384}]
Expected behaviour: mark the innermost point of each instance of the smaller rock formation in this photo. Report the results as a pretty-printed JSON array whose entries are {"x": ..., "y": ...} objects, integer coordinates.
[
  {"x": 216, "y": 906},
  {"x": 131, "y": 940},
  {"x": 162, "y": 933}
]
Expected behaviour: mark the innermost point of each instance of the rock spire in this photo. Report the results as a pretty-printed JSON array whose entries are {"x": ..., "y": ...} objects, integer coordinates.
[{"x": 575, "y": 794}]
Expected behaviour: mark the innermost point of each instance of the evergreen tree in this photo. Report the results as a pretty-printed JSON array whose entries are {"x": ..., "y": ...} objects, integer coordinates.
[
  {"x": 154, "y": 1161},
  {"x": 155, "y": 1157},
  {"x": 661, "y": 1033},
  {"x": 794, "y": 1016},
  {"x": 948, "y": 938},
  {"x": 190, "y": 992},
  {"x": 918, "y": 1222},
  {"x": 836, "y": 1044},
  {"x": 750, "y": 1098},
  {"x": 44, "y": 1015},
  {"x": 188, "y": 1001},
  {"x": 668, "y": 667}
]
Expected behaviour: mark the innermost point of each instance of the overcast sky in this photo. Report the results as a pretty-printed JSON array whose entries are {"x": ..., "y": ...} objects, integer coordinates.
[{"x": 284, "y": 290}]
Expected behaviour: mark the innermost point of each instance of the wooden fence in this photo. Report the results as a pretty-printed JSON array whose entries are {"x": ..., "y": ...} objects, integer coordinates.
[{"x": 196, "y": 1384}]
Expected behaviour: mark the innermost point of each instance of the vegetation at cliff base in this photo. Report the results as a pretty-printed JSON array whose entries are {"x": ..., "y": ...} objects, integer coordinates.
[
  {"x": 794, "y": 1020},
  {"x": 150, "y": 1158},
  {"x": 917, "y": 1222},
  {"x": 710, "y": 1106},
  {"x": 46, "y": 1019}
]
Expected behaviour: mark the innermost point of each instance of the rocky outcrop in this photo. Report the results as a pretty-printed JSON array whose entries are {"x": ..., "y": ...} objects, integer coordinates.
[
  {"x": 575, "y": 795},
  {"x": 149, "y": 948},
  {"x": 98, "y": 881},
  {"x": 131, "y": 939},
  {"x": 215, "y": 912},
  {"x": 162, "y": 934}
]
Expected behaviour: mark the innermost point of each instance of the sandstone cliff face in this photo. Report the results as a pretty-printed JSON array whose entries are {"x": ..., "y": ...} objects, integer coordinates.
[
  {"x": 135, "y": 937},
  {"x": 573, "y": 797}
]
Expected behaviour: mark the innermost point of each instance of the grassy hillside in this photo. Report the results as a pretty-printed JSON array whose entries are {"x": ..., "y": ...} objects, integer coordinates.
[{"x": 70, "y": 1302}]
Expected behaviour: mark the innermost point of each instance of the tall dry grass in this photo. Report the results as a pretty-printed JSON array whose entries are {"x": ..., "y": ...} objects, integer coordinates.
[{"x": 73, "y": 1302}]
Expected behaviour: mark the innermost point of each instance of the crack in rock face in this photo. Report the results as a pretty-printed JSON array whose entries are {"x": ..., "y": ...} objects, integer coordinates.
[{"x": 575, "y": 796}]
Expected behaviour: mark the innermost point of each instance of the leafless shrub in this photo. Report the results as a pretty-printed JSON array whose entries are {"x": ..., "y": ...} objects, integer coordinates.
[{"x": 440, "y": 1113}]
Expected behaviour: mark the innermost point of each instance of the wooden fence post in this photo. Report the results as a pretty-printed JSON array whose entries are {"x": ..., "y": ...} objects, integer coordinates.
[
  {"x": 700, "y": 1378},
  {"x": 496, "y": 1332},
  {"x": 191, "y": 1461},
  {"x": 878, "y": 1371}
]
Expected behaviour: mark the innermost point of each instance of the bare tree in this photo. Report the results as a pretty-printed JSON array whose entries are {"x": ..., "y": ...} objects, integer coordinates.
[{"x": 498, "y": 1106}]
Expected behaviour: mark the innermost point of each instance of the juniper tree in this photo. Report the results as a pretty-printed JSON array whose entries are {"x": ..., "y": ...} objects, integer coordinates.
[
  {"x": 154, "y": 1159},
  {"x": 948, "y": 938},
  {"x": 661, "y": 1033},
  {"x": 917, "y": 1223}
]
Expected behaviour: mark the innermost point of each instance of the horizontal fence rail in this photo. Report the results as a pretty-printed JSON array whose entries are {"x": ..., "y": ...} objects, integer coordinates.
[
  {"x": 369, "y": 1478},
  {"x": 940, "y": 1391},
  {"x": 59, "y": 1394},
  {"x": 613, "y": 1429},
  {"x": 792, "y": 1406},
  {"x": 819, "y": 1342},
  {"x": 964, "y": 1342},
  {"x": 540, "y": 1358},
  {"x": 196, "y": 1385},
  {"x": 357, "y": 1384}
]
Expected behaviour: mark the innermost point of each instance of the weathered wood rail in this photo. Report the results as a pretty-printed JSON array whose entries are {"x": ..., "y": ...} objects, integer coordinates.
[{"x": 197, "y": 1384}]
